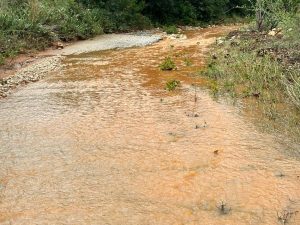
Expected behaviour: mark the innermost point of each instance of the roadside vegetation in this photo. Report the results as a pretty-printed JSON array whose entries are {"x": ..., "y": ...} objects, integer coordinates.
[
  {"x": 35, "y": 24},
  {"x": 261, "y": 64},
  {"x": 28, "y": 25}
]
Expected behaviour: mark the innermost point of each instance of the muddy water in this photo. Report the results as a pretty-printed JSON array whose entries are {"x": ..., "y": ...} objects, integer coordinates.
[{"x": 102, "y": 142}]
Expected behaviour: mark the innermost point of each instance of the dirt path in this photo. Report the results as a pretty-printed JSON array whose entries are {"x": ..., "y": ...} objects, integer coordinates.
[{"x": 102, "y": 142}]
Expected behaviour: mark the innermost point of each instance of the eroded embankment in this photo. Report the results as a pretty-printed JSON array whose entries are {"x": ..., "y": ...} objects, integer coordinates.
[{"x": 102, "y": 142}]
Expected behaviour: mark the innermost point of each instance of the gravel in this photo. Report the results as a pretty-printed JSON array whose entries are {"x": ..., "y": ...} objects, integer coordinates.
[
  {"x": 112, "y": 41},
  {"x": 32, "y": 73}
]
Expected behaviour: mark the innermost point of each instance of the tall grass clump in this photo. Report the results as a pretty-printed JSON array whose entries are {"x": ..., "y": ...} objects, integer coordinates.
[{"x": 246, "y": 75}]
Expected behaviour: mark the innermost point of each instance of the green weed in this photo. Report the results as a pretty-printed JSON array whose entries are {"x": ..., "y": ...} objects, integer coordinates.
[
  {"x": 167, "y": 64},
  {"x": 172, "y": 85}
]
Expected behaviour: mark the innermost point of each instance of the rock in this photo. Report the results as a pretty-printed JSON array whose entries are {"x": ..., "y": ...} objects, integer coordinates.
[
  {"x": 17, "y": 66},
  {"x": 272, "y": 33},
  {"x": 32, "y": 73},
  {"x": 58, "y": 45},
  {"x": 233, "y": 38},
  {"x": 220, "y": 41},
  {"x": 256, "y": 94}
]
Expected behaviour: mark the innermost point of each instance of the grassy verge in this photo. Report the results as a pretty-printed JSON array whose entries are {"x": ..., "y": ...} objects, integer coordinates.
[
  {"x": 263, "y": 69},
  {"x": 35, "y": 24}
]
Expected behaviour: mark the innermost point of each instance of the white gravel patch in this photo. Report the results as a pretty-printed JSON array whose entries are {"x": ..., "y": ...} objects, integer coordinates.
[
  {"x": 32, "y": 73},
  {"x": 111, "y": 41}
]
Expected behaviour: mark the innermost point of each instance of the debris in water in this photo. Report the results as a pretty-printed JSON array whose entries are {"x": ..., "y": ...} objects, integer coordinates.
[{"x": 223, "y": 208}]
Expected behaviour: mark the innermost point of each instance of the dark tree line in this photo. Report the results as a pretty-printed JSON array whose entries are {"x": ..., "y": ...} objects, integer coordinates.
[
  {"x": 175, "y": 11},
  {"x": 189, "y": 11}
]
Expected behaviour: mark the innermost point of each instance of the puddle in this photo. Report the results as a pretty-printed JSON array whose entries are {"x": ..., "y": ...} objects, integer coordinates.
[{"x": 103, "y": 142}]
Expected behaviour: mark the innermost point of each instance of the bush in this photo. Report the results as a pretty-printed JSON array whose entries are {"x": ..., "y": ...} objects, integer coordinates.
[
  {"x": 167, "y": 64},
  {"x": 269, "y": 13},
  {"x": 172, "y": 29}
]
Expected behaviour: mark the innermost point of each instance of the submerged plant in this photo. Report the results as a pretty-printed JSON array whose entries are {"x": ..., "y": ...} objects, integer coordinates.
[
  {"x": 172, "y": 85},
  {"x": 167, "y": 64},
  {"x": 188, "y": 62}
]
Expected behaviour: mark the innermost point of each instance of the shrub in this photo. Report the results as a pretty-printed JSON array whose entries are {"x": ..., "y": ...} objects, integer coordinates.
[
  {"x": 170, "y": 29},
  {"x": 167, "y": 64}
]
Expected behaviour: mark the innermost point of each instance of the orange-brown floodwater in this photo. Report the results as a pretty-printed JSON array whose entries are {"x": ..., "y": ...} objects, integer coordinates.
[{"x": 103, "y": 142}]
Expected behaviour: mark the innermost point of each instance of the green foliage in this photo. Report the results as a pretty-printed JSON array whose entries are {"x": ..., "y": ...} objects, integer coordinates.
[
  {"x": 167, "y": 64},
  {"x": 264, "y": 71},
  {"x": 172, "y": 85},
  {"x": 34, "y": 24},
  {"x": 256, "y": 75},
  {"x": 172, "y": 29},
  {"x": 269, "y": 13},
  {"x": 193, "y": 11}
]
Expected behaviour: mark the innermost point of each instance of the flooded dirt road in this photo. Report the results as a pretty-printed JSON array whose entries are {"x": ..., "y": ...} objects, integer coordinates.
[{"x": 103, "y": 142}]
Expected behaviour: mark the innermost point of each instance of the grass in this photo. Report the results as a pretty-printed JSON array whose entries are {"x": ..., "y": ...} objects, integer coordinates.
[
  {"x": 292, "y": 86},
  {"x": 172, "y": 85},
  {"x": 263, "y": 70},
  {"x": 167, "y": 64},
  {"x": 34, "y": 24}
]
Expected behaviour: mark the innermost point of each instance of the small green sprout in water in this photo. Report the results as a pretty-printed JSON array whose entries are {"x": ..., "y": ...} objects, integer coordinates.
[
  {"x": 167, "y": 64},
  {"x": 188, "y": 62},
  {"x": 172, "y": 85}
]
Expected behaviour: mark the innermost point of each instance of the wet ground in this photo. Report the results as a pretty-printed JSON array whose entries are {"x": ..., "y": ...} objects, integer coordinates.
[{"x": 103, "y": 142}]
